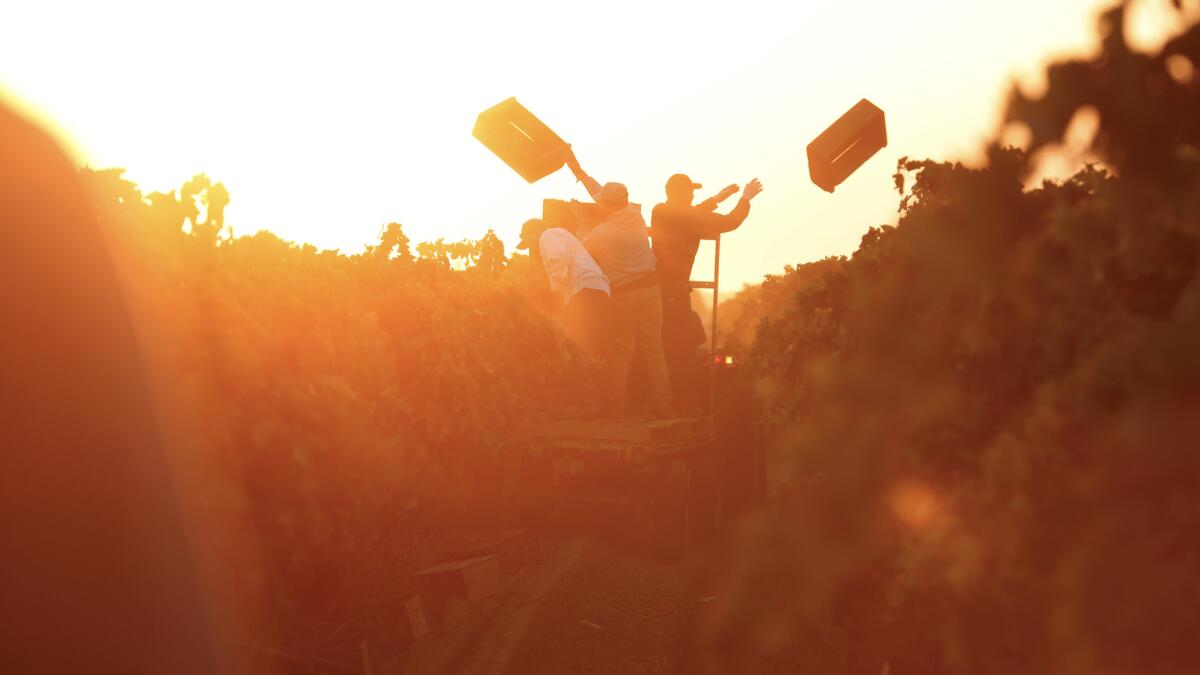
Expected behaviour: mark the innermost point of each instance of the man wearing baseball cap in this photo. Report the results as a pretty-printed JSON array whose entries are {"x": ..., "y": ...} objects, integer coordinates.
[
  {"x": 575, "y": 277},
  {"x": 677, "y": 227},
  {"x": 621, "y": 246}
]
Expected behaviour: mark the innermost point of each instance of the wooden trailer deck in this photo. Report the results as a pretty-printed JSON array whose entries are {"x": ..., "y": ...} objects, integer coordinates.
[
  {"x": 650, "y": 481},
  {"x": 628, "y": 438}
]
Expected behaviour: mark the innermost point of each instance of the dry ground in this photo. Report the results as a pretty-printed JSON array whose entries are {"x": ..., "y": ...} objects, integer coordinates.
[{"x": 590, "y": 607}]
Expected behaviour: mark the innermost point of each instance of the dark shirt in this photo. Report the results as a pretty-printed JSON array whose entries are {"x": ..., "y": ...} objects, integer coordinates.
[{"x": 677, "y": 231}]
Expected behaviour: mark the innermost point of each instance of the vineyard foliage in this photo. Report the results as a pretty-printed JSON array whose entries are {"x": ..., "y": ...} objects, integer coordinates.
[
  {"x": 989, "y": 413},
  {"x": 331, "y": 412},
  {"x": 983, "y": 423}
]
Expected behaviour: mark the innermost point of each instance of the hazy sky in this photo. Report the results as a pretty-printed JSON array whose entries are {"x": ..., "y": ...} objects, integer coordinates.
[{"x": 327, "y": 120}]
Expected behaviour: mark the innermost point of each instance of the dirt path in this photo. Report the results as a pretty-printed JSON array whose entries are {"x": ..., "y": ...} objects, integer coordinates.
[{"x": 587, "y": 608}]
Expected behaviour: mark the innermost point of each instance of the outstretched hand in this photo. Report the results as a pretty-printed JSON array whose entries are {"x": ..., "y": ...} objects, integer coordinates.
[
  {"x": 727, "y": 192},
  {"x": 751, "y": 190}
]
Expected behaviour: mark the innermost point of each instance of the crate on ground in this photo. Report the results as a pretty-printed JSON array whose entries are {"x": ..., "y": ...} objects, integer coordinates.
[
  {"x": 413, "y": 625},
  {"x": 514, "y": 549},
  {"x": 470, "y": 579}
]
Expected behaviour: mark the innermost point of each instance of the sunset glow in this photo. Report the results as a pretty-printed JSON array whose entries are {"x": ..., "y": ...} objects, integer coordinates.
[
  {"x": 325, "y": 125},
  {"x": 392, "y": 337}
]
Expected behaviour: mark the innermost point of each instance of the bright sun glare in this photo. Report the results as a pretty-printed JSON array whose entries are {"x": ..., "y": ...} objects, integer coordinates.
[{"x": 325, "y": 123}]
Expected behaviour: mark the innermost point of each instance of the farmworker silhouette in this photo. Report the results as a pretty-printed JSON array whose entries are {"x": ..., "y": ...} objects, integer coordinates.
[
  {"x": 575, "y": 278},
  {"x": 677, "y": 226},
  {"x": 620, "y": 244}
]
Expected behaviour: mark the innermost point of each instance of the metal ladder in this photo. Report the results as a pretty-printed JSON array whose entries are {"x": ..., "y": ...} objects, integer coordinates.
[{"x": 712, "y": 347}]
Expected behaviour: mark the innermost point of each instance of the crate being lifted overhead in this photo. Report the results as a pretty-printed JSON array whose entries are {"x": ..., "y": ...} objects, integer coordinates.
[
  {"x": 521, "y": 140},
  {"x": 846, "y": 145}
]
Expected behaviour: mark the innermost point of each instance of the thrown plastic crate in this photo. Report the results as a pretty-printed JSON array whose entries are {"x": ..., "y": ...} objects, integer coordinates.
[
  {"x": 846, "y": 145},
  {"x": 520, "y": 139}
]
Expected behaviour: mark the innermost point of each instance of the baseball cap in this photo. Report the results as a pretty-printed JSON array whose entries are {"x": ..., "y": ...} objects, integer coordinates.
[
  {"x": 532, "y": 228},
  {"x": 680, "y": 181},
  {"x": 613, "y": 192}
]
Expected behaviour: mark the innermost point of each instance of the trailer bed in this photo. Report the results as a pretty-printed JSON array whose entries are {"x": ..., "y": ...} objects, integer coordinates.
[
  {"x": 648, "y": 480},
  {"x": 631, "y": 439}
]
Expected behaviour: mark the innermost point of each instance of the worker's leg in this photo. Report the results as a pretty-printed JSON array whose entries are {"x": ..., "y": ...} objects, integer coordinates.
[
  {"x": 650, "y": 348},
  {"x": 671, "y": 332},
  {"x": 584, "y": 321},
  {"x": 619, "y": 350},
  {"x": 585, "y": 327},
  {"x": 679, "y": 351}
]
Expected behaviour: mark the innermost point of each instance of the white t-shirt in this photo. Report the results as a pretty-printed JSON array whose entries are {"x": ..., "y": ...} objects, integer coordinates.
[{"x": 569, "y": 267}]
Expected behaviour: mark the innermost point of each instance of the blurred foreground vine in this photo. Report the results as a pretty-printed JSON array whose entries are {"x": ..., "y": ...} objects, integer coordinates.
[
  {"x": 984, "y": 422},
  {"x": 328, "y": 414}
]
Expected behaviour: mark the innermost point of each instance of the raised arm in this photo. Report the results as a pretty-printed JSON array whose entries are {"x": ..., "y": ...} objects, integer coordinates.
[
  {"x": 709, "y": 225},
  {"x": 589, "y": 183},
  {"x": 712, "y": 202}
]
